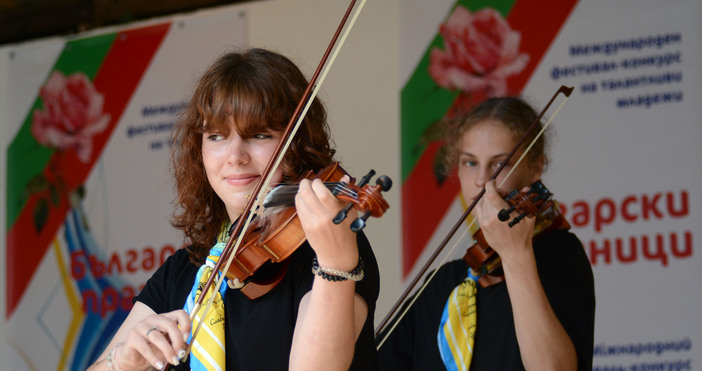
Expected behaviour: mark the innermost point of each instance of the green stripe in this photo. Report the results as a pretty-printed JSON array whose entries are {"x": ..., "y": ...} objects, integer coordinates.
[
  {"x": 26, "y": 158},
  {"x": 423, "y": 103}
]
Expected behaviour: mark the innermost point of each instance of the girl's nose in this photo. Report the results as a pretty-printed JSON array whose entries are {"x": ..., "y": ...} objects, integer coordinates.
[
  {"x": 237, "y": 151},
  {"x": 482, "y": 177}
]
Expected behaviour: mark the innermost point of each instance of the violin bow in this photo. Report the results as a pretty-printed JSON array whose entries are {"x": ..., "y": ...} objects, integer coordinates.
[
  {"x": 298, "y": 116},
  {"x": 381, "y": 328}
]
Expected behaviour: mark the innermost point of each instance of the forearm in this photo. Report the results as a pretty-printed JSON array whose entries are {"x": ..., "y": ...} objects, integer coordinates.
[
  {"x": 325, "y": 333},
  {"x": 543, "y": 342},
  {"x": 331, "y": 315}
]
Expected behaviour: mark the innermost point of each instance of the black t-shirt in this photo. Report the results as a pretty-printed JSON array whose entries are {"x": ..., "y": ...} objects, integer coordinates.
[
  {"x": 566, "y": 276},
  {"x": 258, "y": 333}
]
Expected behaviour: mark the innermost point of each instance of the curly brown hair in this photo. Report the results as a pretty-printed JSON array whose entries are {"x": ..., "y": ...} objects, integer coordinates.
[
  {"x": 260, "y": 90},
  {"x": 512, "y": 112}
]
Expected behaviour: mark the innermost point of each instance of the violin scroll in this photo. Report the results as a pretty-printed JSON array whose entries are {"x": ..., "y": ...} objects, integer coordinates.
[
  {"x": 527, "y": 204},
  {"x": 368, "y": 200}
]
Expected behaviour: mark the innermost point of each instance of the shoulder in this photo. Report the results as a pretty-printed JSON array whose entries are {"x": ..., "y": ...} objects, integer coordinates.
[
  {"x": 563, "y": 263},
  {"x": 178, "y": 261},
  {"x": 441, "y": 282},
  {"x": 562, "y": 246},
  {"x": 168, "y": 286},
  {"x": 453, "y": 272}
]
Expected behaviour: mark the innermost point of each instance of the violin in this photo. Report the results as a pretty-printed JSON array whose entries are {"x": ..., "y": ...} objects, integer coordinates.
[
  {"x": 275, "y": 234},
  {"x": 537, "y": 202}
]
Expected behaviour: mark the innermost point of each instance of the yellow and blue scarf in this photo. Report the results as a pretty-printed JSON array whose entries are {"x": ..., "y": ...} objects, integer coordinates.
[{"x": 207, "y": 349}]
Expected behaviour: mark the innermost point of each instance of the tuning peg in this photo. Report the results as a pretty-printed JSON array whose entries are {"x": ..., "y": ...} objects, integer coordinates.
[
  {"x": 517, "y": 219},
  {"x": 384, "y": 182},
  {"x": 503, "y": 215},
  {"x": 366, "y": 178},
  {"x": 360, "y": 223},
  {"x": 341, "y": 215}
]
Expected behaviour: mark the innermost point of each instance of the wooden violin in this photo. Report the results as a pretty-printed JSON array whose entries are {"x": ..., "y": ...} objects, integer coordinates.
[
  {"x": 535, "y": 202},
  {"x": 275, "y": 234}
]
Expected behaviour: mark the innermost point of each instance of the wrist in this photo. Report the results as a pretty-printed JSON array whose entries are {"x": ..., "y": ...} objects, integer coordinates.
[
  {"x": 346, "y": 261},
  {"x": 115, "y": 360},
  {"x": 335, "y": 275},
  {"x": 112, "y": 364}
]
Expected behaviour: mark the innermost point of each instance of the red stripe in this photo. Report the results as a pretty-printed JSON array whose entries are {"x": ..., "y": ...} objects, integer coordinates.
[
  {"x": 425, "y": 204},
  {"x": 117, "y": 79},
  {"x": 539, "y": 26}
]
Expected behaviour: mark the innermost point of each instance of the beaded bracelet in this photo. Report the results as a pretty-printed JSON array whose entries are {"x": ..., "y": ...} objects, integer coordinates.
[
  {"x": 335, "y": 275},
  {"x": 111, "y": 362}
]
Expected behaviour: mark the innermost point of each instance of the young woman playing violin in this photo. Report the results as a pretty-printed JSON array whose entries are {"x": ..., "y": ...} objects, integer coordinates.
[
  {"x": 222, "y": 144},
  {"x": 541, "y": 316}
]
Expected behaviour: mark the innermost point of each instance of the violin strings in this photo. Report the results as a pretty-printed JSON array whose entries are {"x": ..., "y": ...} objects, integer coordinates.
[{"x": 287, "y": 192}]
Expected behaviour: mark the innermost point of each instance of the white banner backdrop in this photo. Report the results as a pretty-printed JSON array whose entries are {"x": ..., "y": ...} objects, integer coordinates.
[
  {"x": 624, "y": 163},
  {"x": 120, "y": 231}
]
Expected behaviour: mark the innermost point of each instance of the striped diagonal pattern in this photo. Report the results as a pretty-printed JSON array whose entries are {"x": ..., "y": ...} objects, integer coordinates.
[
  {"x": 456, "y": 334},
  {"x": 208, "y": 351}
]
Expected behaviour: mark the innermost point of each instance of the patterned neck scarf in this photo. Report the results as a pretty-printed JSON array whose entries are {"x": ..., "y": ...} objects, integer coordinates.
[
  {"x": 208, "y": 351},
  {"x": 458, "y": 323},
  {"x": 456, "y": 334}
]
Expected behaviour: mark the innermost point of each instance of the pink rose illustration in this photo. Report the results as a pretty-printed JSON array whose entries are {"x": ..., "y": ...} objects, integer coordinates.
[
  {"x": 481, "y": 52},
  {"x": 72, "y": 114}
]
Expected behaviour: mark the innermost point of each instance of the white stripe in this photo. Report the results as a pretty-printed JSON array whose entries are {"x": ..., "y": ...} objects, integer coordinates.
[
  {"x": 453, "y": 335},
  {"x": 212, "y": 335},
  {"x": 465, "y": 331},
  {"x": 207, "y": 356}
]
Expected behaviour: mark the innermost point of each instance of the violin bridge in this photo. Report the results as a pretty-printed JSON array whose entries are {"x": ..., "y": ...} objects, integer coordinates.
[{"x": 257, "y": 208}]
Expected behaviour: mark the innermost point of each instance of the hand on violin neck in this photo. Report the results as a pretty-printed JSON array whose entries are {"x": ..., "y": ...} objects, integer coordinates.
[
  {"x": 334, "y": 244},
  {"x": 508, "y": 242}
]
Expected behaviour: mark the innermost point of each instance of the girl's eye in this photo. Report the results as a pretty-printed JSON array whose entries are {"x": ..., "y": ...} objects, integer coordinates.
[
  {"x": 262, "y": 136},
  {"x": 470, "y": 163},
  {"x": 214, "y": 137}
]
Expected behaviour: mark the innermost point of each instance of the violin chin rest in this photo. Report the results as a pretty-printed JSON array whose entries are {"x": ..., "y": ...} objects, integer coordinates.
[{"x": 265, "y": 279}]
